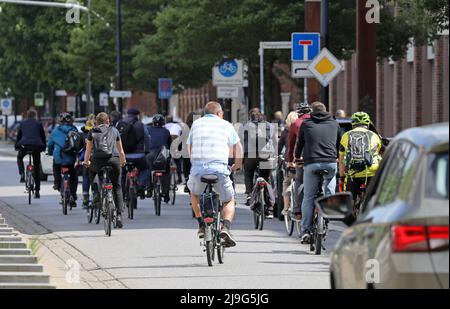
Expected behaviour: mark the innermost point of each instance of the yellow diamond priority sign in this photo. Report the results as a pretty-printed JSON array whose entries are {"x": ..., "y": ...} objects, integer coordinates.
[{"x": 325, "y": 67}]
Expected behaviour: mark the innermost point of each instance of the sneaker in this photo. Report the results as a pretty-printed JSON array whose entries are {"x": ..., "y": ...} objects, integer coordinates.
[
  {"x": 247, "y": 202},
  {"x": 37, "y": 195},
  {"x": 201, "y": 232},
  {"x": 119, "y": 223},
  {"x": 227, "y": 237},
  {"x": 22, "y": 179},
  {"x": 306, "y": 239},
  {"x": 186, "y": 190},
  {"x": 55, "y": 187},
  {"x": 269, "y": 214},
  {"x": 73, "y": 202},
  {"x": 166, "y": 198}
]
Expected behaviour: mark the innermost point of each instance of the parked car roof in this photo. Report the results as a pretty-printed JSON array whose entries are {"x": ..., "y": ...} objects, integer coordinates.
[{"x": 427, "y": 137}]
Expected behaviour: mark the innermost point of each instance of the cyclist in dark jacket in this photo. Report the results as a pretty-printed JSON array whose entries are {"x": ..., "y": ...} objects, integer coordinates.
[
  {"x": 60, "y": 158},
  {"x": 160, "y": 137},
  {"x": 31, "y": 137}
]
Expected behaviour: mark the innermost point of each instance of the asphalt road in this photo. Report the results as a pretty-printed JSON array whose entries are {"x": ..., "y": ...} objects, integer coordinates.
[{"x": 164, "y": 252}]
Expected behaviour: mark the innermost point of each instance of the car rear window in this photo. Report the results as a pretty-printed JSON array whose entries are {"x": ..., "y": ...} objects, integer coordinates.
[{"x": 437, "y": 184}]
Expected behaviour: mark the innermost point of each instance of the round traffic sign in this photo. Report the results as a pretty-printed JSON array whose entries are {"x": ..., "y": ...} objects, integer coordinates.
[
  {"x": 228, "y": 68},
  {"x": 6, "y": 104}
]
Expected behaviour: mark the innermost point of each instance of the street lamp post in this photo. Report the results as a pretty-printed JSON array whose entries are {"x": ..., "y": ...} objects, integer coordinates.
[{"x": 119, "y": 50}]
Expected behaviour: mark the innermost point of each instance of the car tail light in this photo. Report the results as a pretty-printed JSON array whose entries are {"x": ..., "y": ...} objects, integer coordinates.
[{"x": 419, "y": 238}]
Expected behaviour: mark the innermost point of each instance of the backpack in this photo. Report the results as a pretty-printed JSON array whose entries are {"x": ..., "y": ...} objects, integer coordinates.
[
  {"x": 74, "y": 143},
  {"x": 268, "y": 149},
  {"x": 103, "y": 143},
  {"x": 162, "y": 159},
  {"x": 360, "y": 154},
  {"x": 128, "y": 135}
]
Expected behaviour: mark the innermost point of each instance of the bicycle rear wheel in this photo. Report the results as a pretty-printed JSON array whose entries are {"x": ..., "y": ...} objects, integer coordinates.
[
  {"x": 157, "y": 199},
  {"x": 131, "y": 203},
  {"x": 210, "y": 252},
  {"x": 173, "y": 188},
  {"x": 262, "y": 212},
  {"x": 289, "y": 224},
  {"x": 90, "y": 213},
  {"x": 29, "y": 184},
  {"x": 65, "y": 202},
  {"x": 108, "y": 220},
  {"x": 318, "y": 244},
  {"x": 256, "y": 218}
]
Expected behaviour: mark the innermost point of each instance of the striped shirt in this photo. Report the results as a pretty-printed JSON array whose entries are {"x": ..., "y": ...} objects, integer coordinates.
[{"x": 211, "y": 138}]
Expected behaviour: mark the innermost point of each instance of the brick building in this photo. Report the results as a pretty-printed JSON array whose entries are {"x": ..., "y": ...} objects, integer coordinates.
[{"x": 411, "y": 92}]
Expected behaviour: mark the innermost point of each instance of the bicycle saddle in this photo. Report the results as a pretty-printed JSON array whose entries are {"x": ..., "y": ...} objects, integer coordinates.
[
  {"x": 210, "y": 179},
  {"x": 321, "y": 172}
]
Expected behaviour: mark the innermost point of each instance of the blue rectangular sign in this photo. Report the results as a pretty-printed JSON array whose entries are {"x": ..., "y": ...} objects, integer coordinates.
[
  {"x": 165, "y": 88},
  {"x": 305, "y": 46}
]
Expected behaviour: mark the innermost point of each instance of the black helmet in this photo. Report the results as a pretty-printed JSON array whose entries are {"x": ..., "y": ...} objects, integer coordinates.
[
  {"x": 304, "y": 108},
  {"x": 65, "y": 118},
  {"x": 159, "y": 120}
]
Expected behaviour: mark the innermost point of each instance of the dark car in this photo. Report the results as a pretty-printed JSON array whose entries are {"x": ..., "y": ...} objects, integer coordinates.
[{"x": 401, "y": 238}]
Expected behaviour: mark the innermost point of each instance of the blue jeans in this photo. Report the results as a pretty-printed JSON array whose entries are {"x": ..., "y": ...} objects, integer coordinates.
[{"x": 311, "y": 187}]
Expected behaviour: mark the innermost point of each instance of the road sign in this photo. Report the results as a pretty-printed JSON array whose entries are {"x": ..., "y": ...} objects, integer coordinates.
[
  {"x": 300, "y": 70},
  {"x": 276, "y": 45},
  {"x": 229, "y": 72},
  {"x": 227, "y": 92},
  {"x": 305, "y": 46},
  {"x": 124, "y": 94},
  {"x": 6, "y": 105},
  {"x": 104, "y": 99},
  {"x": 325, "y": 67},
  {"x": 39, "y": 99},
  {"x": 165, "y": 88}
]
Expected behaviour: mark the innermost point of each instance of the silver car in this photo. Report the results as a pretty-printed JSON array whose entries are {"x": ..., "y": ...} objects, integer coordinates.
[{"x": 401, "y": 238}]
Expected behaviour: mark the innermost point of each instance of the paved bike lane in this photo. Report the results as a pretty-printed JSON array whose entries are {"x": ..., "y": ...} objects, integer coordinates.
[{"x": 163, "y": 252}]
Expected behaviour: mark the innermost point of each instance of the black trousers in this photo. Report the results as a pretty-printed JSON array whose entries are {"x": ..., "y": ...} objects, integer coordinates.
[
  {"x": 36, "y": 154},
  {"x": 73, "y": 178},
  {"x": 115, "y": 177},
  {"x": 250, "y": 166},
  {"x": 186, "y": 168}
]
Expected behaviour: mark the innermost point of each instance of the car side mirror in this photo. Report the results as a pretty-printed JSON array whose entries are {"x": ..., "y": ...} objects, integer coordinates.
[{"x": 338, "y": 207}]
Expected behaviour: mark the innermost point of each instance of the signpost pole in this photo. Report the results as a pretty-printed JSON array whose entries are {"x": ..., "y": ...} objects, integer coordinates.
[
  {"x": 324, "y": 21},
  {"x": 261, "y": 64}
]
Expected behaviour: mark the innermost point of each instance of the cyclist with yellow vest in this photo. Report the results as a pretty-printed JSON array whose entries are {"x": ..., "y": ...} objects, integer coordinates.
[{"x": 359, "y": 155}]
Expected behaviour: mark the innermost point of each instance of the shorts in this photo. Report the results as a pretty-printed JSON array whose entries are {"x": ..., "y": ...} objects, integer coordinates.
[
  {"x": 354, "y": 185},
  {"x": 224, "y": 187}
]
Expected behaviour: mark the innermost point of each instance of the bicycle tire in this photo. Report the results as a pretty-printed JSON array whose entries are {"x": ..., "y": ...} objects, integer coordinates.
[
  {"x": 289, "y": 224},
  {"x": 318, "y": 244},
  {"x": 97, "y": 214},
  {"x": 298, "y": 228},
  {"x": 157, "y": 200},
  {"x": 90, "y": 213},
  {"x": 64, "y": 203},
  {"x": 108, "y": 220},
  {"x": 29, "y": 185},
  {"x": 256, "y": 219},
  {"x": 132, "y": 202},
  {"x": 209, "y": 252},
  {"x": 173, "y": 188},
  {"x": 262, "y": 210}
]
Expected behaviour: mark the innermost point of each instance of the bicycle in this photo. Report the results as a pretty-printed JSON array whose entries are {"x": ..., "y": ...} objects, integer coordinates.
[
  {"x": 65, "y": 190},
  {"x": 157, "y": 191},
  {"x": 108, "y": 208},
  {"x": 291, "y": 222},
  {"x": 211, "y": 210},
  {"x": 93, "y": 212},
  {"x": 259, "y": 208},
  {"x": 173, "y": 182},
  {"x": 130, "y": 189},
  {"x": 29, "y": 178},
  {"x": 319, "y": 231}
]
